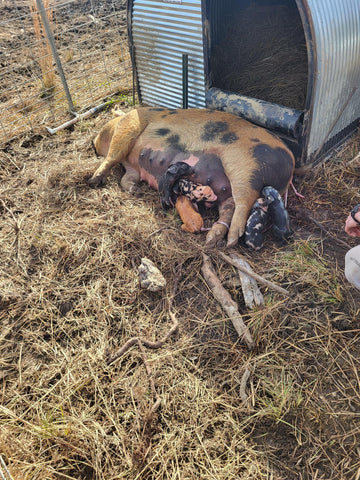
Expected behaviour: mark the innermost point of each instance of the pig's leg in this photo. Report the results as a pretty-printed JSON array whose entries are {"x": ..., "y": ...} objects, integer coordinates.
[
  {"x": 123, "y": 132},
  {"x": 240, "y": 216},
  {"x": 248, "y": 172},
  {"x": 221, "y": 227},
  {"x": 130, "y": 180}
]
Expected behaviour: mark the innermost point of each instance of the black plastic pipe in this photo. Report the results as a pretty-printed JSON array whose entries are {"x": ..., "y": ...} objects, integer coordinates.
[{"x": 280, "y": 119}]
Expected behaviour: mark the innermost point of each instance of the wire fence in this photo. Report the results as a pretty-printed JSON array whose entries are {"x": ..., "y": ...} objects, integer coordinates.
[{"x": 58, "y": 59}]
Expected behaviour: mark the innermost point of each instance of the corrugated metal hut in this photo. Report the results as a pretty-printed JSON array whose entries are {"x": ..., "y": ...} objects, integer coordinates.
[{"x": 292, "y": 66}]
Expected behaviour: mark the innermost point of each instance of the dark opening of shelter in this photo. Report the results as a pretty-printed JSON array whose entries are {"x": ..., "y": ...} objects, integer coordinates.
[{"x": 258, "y": 49}]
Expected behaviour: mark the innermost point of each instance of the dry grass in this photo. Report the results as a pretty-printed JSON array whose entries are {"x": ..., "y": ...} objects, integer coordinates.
[
  {"x": 44, "y": 54},
  {"x": 69, "y": 294}
]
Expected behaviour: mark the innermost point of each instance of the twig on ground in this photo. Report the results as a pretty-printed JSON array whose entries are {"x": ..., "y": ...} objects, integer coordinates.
[
  {"x": 233, "y": 261},
  {"x": 354, "y": 160},
  {"x": 142, "y": 342},
  {"x": 132, "y": 341},
  {"x": 146, "y": 343},
  {"x": 249, "y": 286},
  {"x": 325, "y": 230},
  {"x": 159, "y": 230},
  {"x": 4, "y": 472},
  {"x": 135, "y": 340},
  {"x": 244, "y": 379},
  {"x": 156, "y": 396},
  {"x": 225, "y": 300},
  {"x": 11, "y": 160}
]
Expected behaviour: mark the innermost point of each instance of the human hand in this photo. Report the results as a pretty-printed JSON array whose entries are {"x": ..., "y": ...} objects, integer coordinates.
[{"x": 352, "y": 223}]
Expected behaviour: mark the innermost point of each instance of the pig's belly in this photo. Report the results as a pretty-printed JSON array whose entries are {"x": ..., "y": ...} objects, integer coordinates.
[
  {"x": 148, "y": 178},
  {"x": 152, "y": 164}
]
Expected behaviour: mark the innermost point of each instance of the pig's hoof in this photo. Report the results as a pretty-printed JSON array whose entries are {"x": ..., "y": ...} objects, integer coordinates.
[
  {"x": 96, "y": 181},
  {"x": 216, "y": 235},
  {"x": 237, "y": 229}
]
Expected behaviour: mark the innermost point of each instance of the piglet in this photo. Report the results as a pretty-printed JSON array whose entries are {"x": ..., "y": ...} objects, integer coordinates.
[
  {"x": 255, "y": 224},
  {"x": 279, "y": 216}
]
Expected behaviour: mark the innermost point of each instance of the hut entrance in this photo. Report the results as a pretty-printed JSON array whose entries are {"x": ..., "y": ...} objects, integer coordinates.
[{"x": 258, "y": 49}]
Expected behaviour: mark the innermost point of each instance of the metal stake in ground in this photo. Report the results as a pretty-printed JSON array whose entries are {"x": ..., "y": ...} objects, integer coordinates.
[{"x": 50, "y": 37}]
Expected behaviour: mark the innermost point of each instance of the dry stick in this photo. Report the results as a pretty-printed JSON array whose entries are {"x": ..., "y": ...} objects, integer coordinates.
[
  {"x": 329, "y": 234},
  {"x": 243, "y": 395},
  {"x": 225, "y": 300},
  {"x": 11, "y": 160},
  {"x": 249, "y": 286},
  {"x": 132, "y": 341},
  {"x": 355, "y": 159},
  {"x": 161, "y": 230},
  {"x": 141, "y": 342},
  {"x": 152, "y": 385},
  {"x": 257, "y": 277},
  {"x": 154, "y": 345},
  {"x": 4, "y": 472}
]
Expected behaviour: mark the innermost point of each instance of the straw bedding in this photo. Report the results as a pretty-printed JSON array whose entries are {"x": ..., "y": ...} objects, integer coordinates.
[{"x": 263, "y": 55}]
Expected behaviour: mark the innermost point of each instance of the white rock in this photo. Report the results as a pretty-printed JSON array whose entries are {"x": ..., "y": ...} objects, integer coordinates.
[{"x": 150, "y": 276}]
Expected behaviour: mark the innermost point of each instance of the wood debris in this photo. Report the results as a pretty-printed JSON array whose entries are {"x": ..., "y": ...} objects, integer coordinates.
[{"x": 227, "y": 303}]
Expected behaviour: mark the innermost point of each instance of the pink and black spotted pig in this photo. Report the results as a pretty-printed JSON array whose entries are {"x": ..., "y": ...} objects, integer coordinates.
[{"x": 231, "y": 155}]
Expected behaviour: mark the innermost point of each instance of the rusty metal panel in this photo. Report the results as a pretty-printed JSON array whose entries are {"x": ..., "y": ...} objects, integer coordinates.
[
  {"x": 336, "y": 95},
  {"x": 162, "y": 32}
]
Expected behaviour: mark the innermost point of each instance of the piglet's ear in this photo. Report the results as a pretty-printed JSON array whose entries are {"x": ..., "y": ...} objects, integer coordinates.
[{"x": 168, "y": 180}]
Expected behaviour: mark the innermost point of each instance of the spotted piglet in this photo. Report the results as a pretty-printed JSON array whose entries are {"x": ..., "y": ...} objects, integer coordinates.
[{"x": 267, "y": 210}]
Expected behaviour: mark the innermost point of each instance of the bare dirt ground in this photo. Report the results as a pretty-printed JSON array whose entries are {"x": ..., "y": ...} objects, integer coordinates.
[{"x": 70, "y": 295}]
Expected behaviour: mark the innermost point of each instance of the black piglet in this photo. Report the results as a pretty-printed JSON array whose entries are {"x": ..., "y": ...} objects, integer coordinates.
[{"x": 279, "y": 216}]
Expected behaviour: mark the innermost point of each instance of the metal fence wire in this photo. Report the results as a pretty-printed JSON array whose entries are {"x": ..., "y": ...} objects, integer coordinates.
[{"x": 59, "y": 59}]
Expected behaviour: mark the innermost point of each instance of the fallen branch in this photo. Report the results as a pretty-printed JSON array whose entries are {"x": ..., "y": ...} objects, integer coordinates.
[
  {"x": 157, "y": 397},
  {"x": 141, "y": 343},
  {"x": 244, "y": 379},
  {"x": 233, "y": 261},
  {"x": 161, "y": 230},
  {"x": 223, "y": 297},
  {"x": 4, "y": 472},
  {"x": 249, "y": 286},
  {"x": 11, "y": 160},
  {"x": 354, "y": 160},
  {"x": 146, "y": 343},
  {"x": 132, "y": 341},
  {"x": 135, "y": 340}
]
